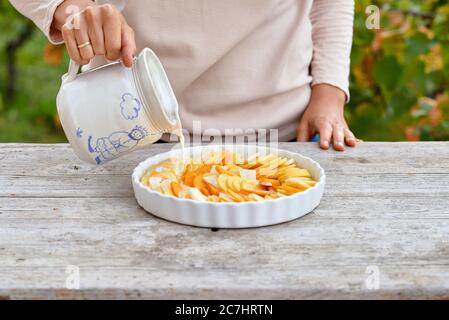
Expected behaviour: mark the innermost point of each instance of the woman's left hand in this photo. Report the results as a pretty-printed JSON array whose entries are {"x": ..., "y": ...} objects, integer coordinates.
[{"x": 325, "y": 116}]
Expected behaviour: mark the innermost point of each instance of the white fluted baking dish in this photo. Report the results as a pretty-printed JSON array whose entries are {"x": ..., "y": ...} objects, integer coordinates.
[{"x": 229, "y": 215}]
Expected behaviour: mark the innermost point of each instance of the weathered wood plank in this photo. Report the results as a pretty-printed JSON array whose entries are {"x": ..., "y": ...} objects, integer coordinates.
[
  {"x": 152, "y": 244},
  {"x": 390, "y": 206},
  {"x": 378, "y": 158},
  {"x": 300, "y": 283},
  {"x": 386, "y": 205},
  {"x": 404, "y": 184}
]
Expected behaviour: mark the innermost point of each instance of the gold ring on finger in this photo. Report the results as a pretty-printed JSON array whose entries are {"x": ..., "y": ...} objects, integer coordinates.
[{"x": 85, "y": 44}]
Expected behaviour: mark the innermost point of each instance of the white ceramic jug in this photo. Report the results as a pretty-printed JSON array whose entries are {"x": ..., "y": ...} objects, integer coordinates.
[{"x": 112, "y": 110}]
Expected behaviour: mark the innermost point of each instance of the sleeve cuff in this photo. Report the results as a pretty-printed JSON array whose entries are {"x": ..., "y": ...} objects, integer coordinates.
[
  {"x": 53, "y": 37},
  {"x": 338, "y": 84}
]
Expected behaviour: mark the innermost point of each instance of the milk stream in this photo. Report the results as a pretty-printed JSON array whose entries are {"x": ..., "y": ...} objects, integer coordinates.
[{"x": 179, "y": 132}]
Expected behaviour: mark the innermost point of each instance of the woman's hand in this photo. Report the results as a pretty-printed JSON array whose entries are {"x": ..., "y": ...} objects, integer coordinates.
[
  {"x": 102, "y": 27},
  {"x": 325, "y": 116}
]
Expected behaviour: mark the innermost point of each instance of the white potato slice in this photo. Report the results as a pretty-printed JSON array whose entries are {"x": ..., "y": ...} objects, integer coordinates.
[
  {"x": 255, "y": 197},
  {"x": 289, "y": 162},
  {"x": 248, "y": 174},
  {"x": 252, "y": 158},
  {"x": 166, "y": 187},
  {"x": 155, "y": 182},
  {"x": 179, "y": 168},
  {"x": 196, "y": 194},
  {"x": 183, "y": 194},
  {"x": 236, "y": 184},
  {"x": 213, "y": 170},
  {"x": 212, "y": 179},
  {"x": 213, "y": 199},
  {"x": 160, "y": 169},
  {"x": 229, "y": 183},
  {"x": 225, "y": 197},
  {"x": 297, "y": 182},
  {"x": 222, "y": 181}
]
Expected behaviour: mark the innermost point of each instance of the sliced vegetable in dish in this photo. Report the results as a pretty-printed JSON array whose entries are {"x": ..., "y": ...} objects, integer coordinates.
[{"x": 228, "y": 177}]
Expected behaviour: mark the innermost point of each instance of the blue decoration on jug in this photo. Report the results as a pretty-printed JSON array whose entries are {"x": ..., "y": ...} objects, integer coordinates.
[
  {"x": 116, "y": 143},
  {"x": 129, "y": 107},
  {"x": 79, "y": 133}
]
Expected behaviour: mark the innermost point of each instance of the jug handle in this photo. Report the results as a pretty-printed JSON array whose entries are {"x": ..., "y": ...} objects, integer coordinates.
[
  {"x": 71, "y": 74},
  {"x": 74, "y": 70}
]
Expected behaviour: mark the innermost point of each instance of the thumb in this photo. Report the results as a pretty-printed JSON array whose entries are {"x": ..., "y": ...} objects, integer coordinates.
[{"x": 129, "y": 48}]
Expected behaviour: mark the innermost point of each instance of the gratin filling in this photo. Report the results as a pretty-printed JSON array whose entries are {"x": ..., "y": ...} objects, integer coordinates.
[{"x": 227, "y": 177}]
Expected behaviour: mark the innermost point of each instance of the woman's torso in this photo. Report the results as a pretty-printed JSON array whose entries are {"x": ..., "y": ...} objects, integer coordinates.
[{"x": 234, "y": 63}]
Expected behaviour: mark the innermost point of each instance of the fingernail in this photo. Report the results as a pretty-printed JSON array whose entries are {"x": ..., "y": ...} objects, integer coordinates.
[{"x": 326, "y": 143}]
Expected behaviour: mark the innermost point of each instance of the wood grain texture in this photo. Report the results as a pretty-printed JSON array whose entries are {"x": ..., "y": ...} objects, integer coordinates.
[{"x": 385, "y": 205}]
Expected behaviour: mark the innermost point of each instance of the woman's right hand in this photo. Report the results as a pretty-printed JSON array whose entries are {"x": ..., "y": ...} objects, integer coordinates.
[{"x": 102, "y": 26}]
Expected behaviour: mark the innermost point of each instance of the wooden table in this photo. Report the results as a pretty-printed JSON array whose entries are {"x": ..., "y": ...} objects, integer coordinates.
[{"x": 385, "y": 213}]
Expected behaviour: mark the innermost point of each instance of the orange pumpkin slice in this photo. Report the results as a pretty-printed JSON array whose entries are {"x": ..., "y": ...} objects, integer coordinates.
[
  {"x": 199, "y": 183},
  {"x": 188, "y": 178},
  {"x": 221, "y": 170},
  {"x": 212, "y": 189},
  {"x": 203, "y": 169},
  {"x": 176, "y": 188},
  {"x": 289, "y": 190}
]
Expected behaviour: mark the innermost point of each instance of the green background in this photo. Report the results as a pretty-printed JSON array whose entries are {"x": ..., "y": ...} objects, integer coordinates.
[{"x": 399, "y": 75}]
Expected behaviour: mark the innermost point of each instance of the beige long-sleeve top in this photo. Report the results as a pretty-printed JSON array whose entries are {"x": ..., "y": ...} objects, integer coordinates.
[{"x": 246, "y": 64}]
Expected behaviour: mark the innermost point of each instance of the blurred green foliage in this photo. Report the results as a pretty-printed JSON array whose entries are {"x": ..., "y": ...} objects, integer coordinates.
[
  {"x": 399, "y": 76},
  {"x": 31, "y": 116},
  {"x": 399, "y": 73}
]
